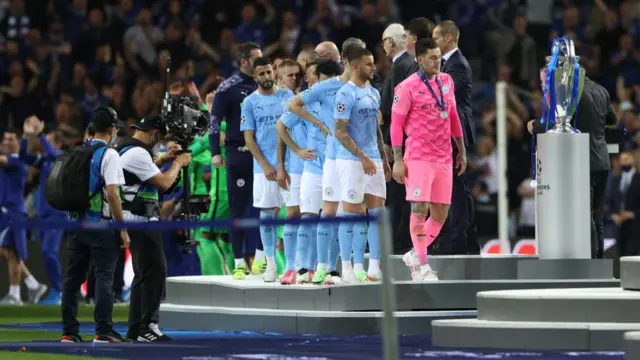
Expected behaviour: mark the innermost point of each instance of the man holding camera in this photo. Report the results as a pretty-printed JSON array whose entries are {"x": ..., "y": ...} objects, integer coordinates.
[{"x": 143, "y": 182}]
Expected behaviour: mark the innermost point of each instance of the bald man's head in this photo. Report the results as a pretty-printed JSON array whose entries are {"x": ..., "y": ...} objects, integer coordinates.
[{"x": 328, "y": 50}]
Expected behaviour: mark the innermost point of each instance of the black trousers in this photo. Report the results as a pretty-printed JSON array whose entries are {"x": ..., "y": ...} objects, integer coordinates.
[
  {"x": 150, "y": 274},
  {"x": 240, "y": 190},
  {"x": 459, "y": 233},
  {"x": 627, "y": 239},
  {"x": 400, "y": 210},
  {"x": 598, "y": 181},
  {"x": 101, "y": 248},
  {"x": 118, "y": 278}
]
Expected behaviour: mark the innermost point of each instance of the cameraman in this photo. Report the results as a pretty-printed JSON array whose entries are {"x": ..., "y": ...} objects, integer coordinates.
[{"x": 143, "y": 182}]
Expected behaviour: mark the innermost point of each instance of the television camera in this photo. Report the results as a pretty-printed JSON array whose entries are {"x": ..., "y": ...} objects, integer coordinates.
[{"x": 184, "y": 121}]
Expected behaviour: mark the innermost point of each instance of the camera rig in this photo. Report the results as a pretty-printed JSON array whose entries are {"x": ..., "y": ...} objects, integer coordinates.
[{"x": 184, "y": 121}]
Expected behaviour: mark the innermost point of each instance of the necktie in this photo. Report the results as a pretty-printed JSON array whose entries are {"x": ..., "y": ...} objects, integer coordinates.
[{"x": 442, "y": 61}]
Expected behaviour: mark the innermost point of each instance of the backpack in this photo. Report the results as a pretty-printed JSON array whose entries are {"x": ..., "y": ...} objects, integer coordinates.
[{"x": 67, "y": 187}]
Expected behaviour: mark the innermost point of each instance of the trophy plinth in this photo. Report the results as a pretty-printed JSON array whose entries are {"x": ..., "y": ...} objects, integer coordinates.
[{"x": 563, "y": 223}]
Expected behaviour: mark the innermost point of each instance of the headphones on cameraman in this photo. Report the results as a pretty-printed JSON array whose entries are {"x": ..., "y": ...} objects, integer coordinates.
[{"x": 113, "y": 115}]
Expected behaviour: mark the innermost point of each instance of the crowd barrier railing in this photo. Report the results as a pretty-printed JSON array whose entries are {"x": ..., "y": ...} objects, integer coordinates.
[{"x": 387, "y": 290}]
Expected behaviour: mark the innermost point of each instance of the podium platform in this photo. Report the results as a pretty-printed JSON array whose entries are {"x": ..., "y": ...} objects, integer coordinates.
[
  {"x": 221, "y": 303},
  {"x": 592, "y": 319}
]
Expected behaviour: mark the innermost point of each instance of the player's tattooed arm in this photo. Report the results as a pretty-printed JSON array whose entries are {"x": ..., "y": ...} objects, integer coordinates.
[
  {"x": 345, "y": 139},
  {"x": 397, "y": 153},
  {"x": 381, "y": 145},
  {"x": 419, "y": 208},
  {"x": 282, "y": 150}
]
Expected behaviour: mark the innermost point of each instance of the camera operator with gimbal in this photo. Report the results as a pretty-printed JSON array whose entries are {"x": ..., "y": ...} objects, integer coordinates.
[{"x": 143, "y": 182}]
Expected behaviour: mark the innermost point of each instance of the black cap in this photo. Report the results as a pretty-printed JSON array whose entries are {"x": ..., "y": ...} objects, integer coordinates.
[
  {"x": 149, "y": 123},
  {"x": 103, "y": 118}
]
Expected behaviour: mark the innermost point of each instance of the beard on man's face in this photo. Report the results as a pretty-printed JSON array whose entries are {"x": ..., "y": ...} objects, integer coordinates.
[{"x": 266, "y": 84}]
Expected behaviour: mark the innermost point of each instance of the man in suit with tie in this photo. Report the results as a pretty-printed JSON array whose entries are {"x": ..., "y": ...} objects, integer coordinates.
[
  {"x": 403, "y": 65},
  {"x": 458, "y": 235},
  {"x": 625, "y": 206}
]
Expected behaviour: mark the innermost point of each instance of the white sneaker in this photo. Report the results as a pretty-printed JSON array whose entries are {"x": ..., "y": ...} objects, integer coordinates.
[
  {"x": 426, "y": 274},
  {"x": 349, "y": 276},
  {"x": 270, "y": 275},
  {"x": 11, "y": 300},
  {"x": 303, "y": 279},
  {"x": 411, "y": 260}
]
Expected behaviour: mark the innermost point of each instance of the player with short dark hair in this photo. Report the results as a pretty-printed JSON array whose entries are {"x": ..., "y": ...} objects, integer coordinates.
[
  {"x": 260, "y": 112},
  {"x": 362, "y": 165},
  {"x": 226, "y": 106},
  {"x": 426, "y": 167}
]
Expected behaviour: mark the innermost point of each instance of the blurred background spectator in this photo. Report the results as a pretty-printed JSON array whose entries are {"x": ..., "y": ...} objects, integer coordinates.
[{"x": 62, "y": 58}]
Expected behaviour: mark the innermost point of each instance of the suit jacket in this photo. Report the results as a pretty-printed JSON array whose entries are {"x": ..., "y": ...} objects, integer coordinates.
[
  {"x": 401, "y": 69},
  {"x": 458, "y": 67},
  {"x": 629, "y": 200},
  {"x": 594, "y": 112}
]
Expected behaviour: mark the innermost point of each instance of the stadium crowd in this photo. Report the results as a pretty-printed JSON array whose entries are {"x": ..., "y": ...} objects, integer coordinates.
[{"x": 62, "y": 59}]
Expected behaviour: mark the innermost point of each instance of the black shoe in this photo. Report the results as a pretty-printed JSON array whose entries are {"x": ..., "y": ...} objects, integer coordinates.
[
  {"x": 70, "y": 338},
  {"x": 152, "y": 334},
  {"x": 112, "y": 337},
  {"x": 133, "y": 332}
]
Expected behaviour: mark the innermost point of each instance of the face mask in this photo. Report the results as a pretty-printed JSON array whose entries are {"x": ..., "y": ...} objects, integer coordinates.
[{"x": 626, "y": 168}]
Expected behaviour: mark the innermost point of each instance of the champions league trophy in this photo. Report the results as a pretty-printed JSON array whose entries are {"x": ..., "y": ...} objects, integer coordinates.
[
  {"x": 563, "y": 86},
  {"x": 563, "y": 222}
]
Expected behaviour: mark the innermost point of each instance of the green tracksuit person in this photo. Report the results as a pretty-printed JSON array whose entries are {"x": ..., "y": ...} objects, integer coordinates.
[{"x": 210, "y": 245}]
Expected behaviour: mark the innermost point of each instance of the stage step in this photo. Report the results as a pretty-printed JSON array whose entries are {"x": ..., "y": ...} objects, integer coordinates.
[
  {"x": 253, "y": 292},
  {"x": 267, "y": 320},
  {"x": 630, "y": 272},
  {"x": 546, "y": 319},
  {"x": 589, "y": 305},
  {"x": 528, "y": 335},
  {"x": 508, "y": 267},
  {"x": 632, "y": 345}
]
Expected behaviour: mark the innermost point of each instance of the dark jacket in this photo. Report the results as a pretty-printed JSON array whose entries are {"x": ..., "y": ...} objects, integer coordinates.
[{"x": 594, "y": 112}]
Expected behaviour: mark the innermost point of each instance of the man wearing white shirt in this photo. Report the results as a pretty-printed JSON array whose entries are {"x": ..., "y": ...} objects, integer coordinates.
[{"x": 143, "y": 182}]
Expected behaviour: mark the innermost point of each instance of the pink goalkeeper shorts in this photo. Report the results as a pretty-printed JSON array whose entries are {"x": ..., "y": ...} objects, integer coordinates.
[{"x": 429, "y": 182}]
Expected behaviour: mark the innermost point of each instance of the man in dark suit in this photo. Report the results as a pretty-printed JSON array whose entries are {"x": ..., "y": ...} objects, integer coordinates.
[
  {"x": 403, "y": 65},
  {"x": 595, "y": 112},
  {"x": 625, "y": 206},
  {"x": 415, "y": 29},
  {"x": 458, "y": 236}
]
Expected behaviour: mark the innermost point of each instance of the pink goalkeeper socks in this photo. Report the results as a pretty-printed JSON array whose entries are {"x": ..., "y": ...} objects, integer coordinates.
[
  {"x": 432, "y": 229},
  {"x": 418, "y": 236}
]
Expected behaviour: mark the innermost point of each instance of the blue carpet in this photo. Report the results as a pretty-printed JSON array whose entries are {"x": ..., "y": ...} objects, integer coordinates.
[{"x": 210, "y": 345}]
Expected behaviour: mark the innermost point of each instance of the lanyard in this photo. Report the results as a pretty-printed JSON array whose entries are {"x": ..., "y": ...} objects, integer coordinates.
[{"x": 426, "y": 82}]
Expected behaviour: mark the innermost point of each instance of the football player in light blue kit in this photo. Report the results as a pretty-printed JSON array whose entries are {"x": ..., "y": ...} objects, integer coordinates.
[
  {"x": 362, "y": 165},
  {"x": 311, "y": 182},
  {"x": 259, "y": 114},
  {"x": 290, "y": 170},
  {"x": 323, "y": 93}
]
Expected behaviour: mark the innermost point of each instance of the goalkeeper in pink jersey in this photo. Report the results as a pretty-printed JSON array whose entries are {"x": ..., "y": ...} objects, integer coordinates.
[{"x": 424, "y": 107}]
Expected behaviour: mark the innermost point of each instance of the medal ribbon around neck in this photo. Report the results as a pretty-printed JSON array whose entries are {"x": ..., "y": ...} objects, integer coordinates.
[{"x": 439, "y": 100}]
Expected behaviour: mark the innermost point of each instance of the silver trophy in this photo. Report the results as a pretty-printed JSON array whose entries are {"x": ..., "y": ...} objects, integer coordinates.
[{"x": 565, "y": 101}]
